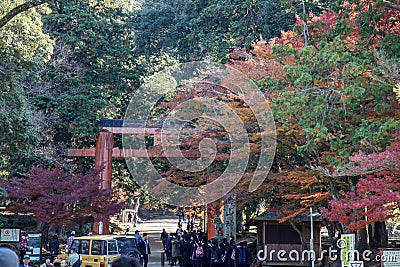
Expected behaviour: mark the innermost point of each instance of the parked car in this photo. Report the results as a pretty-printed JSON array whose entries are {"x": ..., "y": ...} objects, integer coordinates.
[{"x": 100, "y": 250}]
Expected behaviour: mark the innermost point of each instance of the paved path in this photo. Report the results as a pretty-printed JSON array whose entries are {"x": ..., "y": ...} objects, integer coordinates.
[{"x": 154, "y": 227}]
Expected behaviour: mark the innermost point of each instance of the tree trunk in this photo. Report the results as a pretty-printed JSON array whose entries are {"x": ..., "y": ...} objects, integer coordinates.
[
  {"x": 45, "y": 235},
  {"x": 239, "y": 221},
  {"x": 303, "y": 243},
  {"x": 378, "y": 235},
  {"x": 333, "y": 240},
  {"x": 361, "y": 241}
]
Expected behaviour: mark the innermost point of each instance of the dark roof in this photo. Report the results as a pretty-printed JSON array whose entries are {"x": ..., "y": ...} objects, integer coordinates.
[{"x": 270, "y": 215}]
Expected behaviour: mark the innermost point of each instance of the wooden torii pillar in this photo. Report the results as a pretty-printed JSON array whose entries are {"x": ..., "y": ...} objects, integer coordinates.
[{"x": 105, "y": 151}]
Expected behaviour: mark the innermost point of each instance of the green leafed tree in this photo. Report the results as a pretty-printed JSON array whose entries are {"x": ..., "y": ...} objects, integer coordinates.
[
  {"x": 24, "y": 48},
  {"x": 192, "y": 30}
]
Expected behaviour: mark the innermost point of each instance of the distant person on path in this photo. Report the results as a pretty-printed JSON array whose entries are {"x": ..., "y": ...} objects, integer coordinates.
[
  {"x": 164, "y": 236},
  {"x": 125, "y": 261},
  {"x": 70, "y": 239},
  {"x": 135, "y": 219},
  {"x": 8, "y": 258},
  {"x": 54, "y": 244},
  {"x": 23, "y": 245},
  {"x": 26, "y": 261},
  {"x": 144, "y": 249},
  {"x": 179, "y": 230},
  {"x": 188, "y": 224},
  {"x": 129, "y": 217}
]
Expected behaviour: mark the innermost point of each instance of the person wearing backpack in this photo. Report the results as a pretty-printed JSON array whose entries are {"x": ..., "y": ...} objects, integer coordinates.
[
  {"x": 176, "y": 251},
  {"x": 199, "y": 253},
  {"x": 212, "y": 254},
  {"x": 244, "y": 258}
]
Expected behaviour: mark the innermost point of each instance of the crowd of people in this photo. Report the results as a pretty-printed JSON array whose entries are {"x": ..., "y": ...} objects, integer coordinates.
[{"x": 191, "y": 249}]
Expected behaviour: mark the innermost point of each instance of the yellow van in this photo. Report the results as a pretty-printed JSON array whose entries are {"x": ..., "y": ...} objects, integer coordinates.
[{"x": 100, "y": 250}]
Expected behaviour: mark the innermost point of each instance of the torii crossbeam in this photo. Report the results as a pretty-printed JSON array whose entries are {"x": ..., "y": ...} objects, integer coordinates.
[{"x": 105, "y": 151}]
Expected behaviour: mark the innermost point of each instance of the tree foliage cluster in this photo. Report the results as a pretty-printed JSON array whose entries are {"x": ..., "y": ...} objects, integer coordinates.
[
  {"x": 330, "y": 81},
  {"x": 195, "y": 29}
]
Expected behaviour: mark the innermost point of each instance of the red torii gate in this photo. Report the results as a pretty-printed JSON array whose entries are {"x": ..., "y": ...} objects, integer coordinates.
[{"x": 105, "y": 151}]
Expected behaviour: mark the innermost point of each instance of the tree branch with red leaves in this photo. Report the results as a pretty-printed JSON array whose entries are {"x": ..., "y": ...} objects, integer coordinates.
[{"x": 55, "y": 197}]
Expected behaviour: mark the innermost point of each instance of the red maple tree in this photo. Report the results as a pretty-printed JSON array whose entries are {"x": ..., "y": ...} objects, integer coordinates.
[
  {"x": 378, "y": 191},
  {"x": 55, "y": 196}
]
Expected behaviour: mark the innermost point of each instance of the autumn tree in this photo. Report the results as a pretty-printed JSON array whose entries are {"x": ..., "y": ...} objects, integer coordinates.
[
  {"x": 54, "y": 197},
  {"x": 376, "y": 195},
  {"x": 331, "y": 97}
]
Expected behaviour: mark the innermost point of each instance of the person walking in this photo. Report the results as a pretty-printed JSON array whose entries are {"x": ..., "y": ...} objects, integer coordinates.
[
  {"x": 199, "y": 250},
  {"x": 8, "y": 258},
  {"x": 232, "y": 253},
  {"x": 212, "y": 254},
  {"x": 186, "y": 249},
  {"x": 23, "y": 245},
  {"x": 53, "y": 246},
  {"x": 145, "y": 250},
  {"x": 70, "y": 239},
  {"x": 164, "y": 236},
  {"x": 168, "y": 247},
  {"x": 176, "y": 251}
]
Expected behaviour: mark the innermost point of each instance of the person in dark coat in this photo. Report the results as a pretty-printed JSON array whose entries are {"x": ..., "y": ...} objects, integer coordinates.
[
  {"x": 54, "y": 244},
  {"x": 232, "y": 253},
  {"x": 168, "y": 247},
  {"x": 145, "y": 251},
  {"x": 186, "y": 249},
  {"x": 212, "y": 254},
  {"x": 244, "y": 258}
]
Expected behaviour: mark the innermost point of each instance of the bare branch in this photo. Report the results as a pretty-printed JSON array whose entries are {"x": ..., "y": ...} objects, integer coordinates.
[{"x": 19, "y": 9}]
